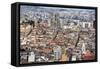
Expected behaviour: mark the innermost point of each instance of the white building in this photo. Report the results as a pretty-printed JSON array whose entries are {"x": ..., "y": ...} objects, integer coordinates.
[
  {"x": 31, "y": 57},
  {"x": 57, "y": 52},
  {"x": 87, "y": 24}
]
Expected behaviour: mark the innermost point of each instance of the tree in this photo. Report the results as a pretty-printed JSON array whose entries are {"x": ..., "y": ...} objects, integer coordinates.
[{"x": 77, "y": 39}]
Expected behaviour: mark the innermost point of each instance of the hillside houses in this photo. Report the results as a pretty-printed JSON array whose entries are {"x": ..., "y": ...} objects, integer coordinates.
[{"x": 49, "y": 35}]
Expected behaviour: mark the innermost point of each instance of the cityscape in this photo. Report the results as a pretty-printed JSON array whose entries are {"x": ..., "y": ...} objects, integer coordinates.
[{"x": 54, "y": 34}]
